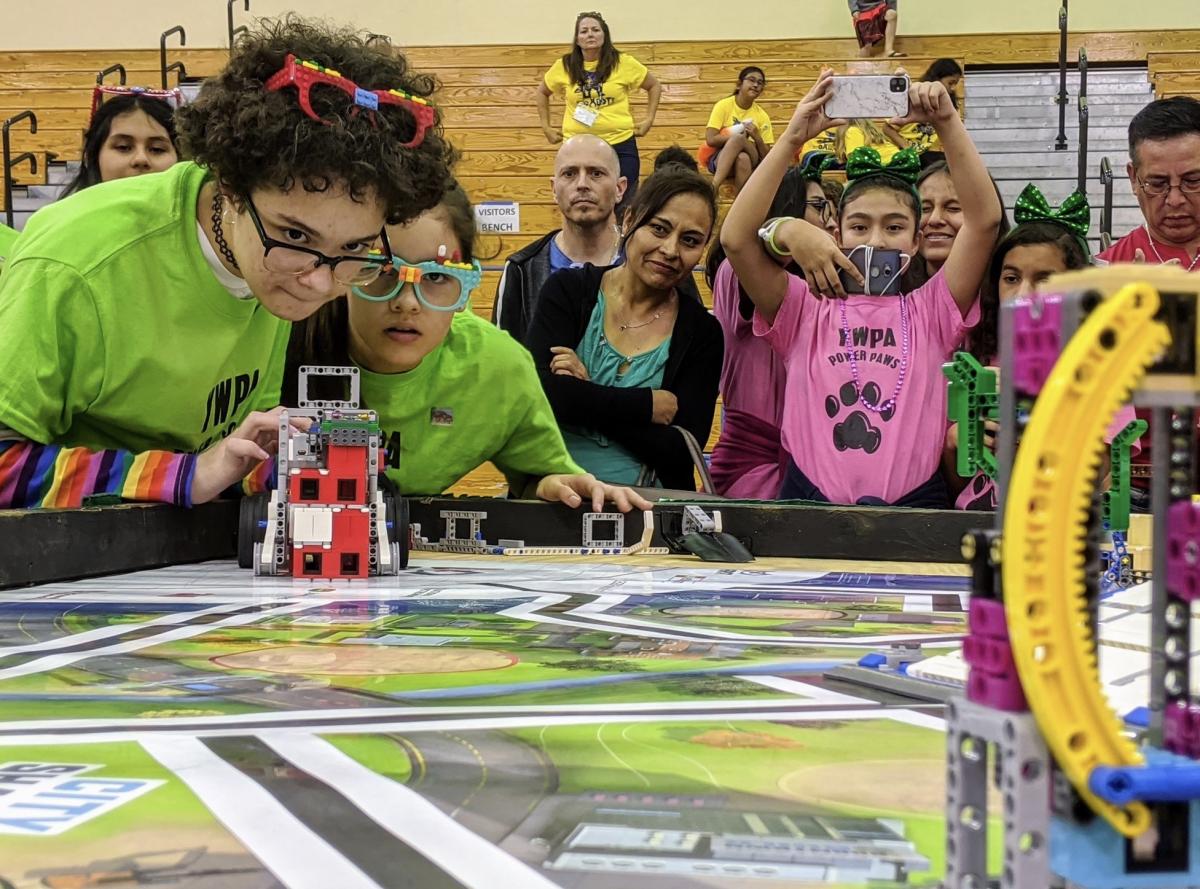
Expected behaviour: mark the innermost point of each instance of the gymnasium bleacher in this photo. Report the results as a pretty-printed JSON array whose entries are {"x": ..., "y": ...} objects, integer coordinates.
[{"x": 486, "y": 98}]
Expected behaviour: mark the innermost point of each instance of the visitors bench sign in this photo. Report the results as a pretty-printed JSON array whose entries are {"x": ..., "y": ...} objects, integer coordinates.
[{"x": 498, "y": 217}]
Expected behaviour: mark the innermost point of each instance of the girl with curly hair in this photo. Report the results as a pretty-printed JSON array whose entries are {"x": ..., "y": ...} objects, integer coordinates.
[{"x": 143, "y": 325}]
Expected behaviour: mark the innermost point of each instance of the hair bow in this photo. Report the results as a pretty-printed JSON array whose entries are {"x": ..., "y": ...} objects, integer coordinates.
[
  {"x": 816, "y": 163},
  {"x": 865, "y": 161},
  {"x": 1074, "y": 214}
]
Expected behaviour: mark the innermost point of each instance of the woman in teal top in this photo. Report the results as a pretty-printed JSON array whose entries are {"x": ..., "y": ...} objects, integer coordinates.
[
  {"x": 605, "y": 457},
  {"x": 451, "y": 390}
]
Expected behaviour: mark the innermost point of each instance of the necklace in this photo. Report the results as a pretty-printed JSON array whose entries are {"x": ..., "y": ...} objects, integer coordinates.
[
  {"x": 1158, "y": 255},
  {"x": 218, "y": 232},
  {"x": 890, "y": 404},
  {"x": 657, "y": 315}
]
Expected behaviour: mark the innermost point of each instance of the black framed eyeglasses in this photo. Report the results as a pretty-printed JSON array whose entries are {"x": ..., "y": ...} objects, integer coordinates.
[
  {"x": 821, "y": 205},
  {"x": 291, "y": 259}
]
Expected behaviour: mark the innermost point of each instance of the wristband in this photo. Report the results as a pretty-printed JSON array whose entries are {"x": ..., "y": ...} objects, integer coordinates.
[{"x": 767, "y": 233}]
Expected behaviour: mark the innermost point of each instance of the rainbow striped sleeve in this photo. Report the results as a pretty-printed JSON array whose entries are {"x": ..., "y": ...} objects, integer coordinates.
[
  {"x": 262, "y": 478},
  {"x": 53, "y": 476}
]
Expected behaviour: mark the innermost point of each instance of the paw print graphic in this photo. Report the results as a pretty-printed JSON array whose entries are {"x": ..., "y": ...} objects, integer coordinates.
[{"x": 856, "y": 432}]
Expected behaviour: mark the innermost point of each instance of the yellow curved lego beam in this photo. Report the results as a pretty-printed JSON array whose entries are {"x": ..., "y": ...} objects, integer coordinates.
[{"x": 1045, "y": 528}]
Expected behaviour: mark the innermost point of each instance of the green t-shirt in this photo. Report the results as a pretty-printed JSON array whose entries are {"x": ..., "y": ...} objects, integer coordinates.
[
  {"x": 115, "y": 333},
  {"x": 8, "y": 237},
  {"x": 477, "y": 397}
]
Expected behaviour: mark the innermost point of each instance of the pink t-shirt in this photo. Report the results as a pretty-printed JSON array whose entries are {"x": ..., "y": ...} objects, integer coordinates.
[
  {"x": 1125, "y": 250},
  {"x": 980, "y": 493},
  {"x": 847, "y": 451},
  {"x": 752, "y": 383}
]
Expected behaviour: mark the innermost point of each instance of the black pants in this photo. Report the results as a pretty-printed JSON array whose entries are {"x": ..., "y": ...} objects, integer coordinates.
[
  {"x": 631, "y": 169},
  {"x": 932, "y": 494}
]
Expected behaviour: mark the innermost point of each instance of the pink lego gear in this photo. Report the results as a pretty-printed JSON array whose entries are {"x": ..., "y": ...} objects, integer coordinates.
[{"x": 304, "y": 75}]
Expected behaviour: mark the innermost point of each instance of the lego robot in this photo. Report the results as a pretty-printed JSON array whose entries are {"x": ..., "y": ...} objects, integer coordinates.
[{"x": 331, "y": 515}]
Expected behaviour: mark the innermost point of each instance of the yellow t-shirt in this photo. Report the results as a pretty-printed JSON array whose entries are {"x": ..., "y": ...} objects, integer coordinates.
[
  {"x": 856, "y": 138},
  {"x": 825, "y": 141},
  {"x": 608, "y": 100},
  {"x": 921, "y": 137},
  {"x": 727, "y": 112}
]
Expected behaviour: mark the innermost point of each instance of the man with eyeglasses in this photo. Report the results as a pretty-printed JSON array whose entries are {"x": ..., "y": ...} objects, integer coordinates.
[{"x": 1164, "y": 170}]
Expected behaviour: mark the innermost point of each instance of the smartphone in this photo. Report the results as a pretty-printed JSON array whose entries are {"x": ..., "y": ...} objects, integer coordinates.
[
  {"x": 872, "y": 96},
  {"x": 881, "y": 269}
]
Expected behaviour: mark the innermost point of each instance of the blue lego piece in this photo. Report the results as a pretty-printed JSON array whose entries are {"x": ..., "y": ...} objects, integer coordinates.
[
  {"x": 872, "y": 661},
  {"x": 903, "y": 668},
  {"x": 1092, "y": 856},
  {"x": 1139, "y": 717}
]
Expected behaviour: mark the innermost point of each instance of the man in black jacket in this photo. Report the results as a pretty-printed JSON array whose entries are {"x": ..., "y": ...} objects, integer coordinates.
[{"x": 587, "y": 185}]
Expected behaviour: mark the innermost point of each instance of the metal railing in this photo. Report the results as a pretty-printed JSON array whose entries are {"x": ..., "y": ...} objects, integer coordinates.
[
  {"x": 10, "y": 162},
  {"x": 1106, "y": 211},
  {"x": 1083, "y": 120},
  {"x": 117, "y": 69},
  {"x": 240, "y": 29},
  {"x": 1060, "y": 142},
  {"x": 163, "y": 68}
]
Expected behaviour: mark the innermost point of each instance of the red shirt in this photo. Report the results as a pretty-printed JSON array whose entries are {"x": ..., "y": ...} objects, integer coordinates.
[{"x": 1125, "y": 250}]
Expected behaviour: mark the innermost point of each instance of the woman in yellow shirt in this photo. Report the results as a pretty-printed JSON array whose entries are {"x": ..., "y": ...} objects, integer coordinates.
[
  {"x": 595, "y": 80},
  {"x": 739, "y": 132}
]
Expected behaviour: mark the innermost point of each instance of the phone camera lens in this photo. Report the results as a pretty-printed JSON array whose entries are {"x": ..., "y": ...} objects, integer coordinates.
[{"x": 898, "y": 85}]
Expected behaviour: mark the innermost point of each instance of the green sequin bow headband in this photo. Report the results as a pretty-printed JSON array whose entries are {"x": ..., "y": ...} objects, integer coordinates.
[
  {"x": 865, "y": 161},
  {"x": 815, "y": 164},
  {"x": 1074, "y": 214}
]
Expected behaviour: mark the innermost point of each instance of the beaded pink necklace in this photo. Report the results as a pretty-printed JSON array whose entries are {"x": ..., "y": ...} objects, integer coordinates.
[{"x": 890, "y": 403}]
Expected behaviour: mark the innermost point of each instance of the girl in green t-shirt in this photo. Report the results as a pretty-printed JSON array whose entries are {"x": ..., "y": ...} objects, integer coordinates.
[
  {"x": 143, "y": 323},
  {"x": 452, "y": 391}
]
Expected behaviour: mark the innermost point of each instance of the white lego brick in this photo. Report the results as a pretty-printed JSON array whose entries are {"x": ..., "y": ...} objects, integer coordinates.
[{"x": 312, "y": 526}]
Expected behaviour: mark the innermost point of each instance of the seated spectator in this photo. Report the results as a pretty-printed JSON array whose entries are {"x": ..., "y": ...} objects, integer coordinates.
[
  {"x": 675, "y": 154},
  {"x": 1164, "y": 170},
  {"x": 596, "y": 80},
  {"x": 921, "y": 137},
  {"x": 748, "y": 460},
  {"x": 624, "y": 354},
  {"x": 886, "y": 139},
  {"x": 419, "y": 351},
  {"x": 587, "y": 187},
  {"x": 739, "y": 132},
  {"x": 1046, "y": 241},
  {"x": 875, "y": 22},
  {"x": 128, "y": 135}
]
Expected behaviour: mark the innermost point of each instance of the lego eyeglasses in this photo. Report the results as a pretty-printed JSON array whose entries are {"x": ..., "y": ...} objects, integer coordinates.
[
  {"x": 291, "y": 259},
  {"x": 439, "y": 284},
  {"x": 102, "y": 93},
  {"x": 305, "y": 75}
]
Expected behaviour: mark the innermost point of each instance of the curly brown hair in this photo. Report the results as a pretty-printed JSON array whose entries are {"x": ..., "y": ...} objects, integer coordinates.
[{"x": 251, "y": 138}]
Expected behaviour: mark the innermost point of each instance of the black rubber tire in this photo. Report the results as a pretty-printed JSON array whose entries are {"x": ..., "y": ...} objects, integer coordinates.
[
  {"x": 253, "y": 509},
  {"x": 396, "y": 512}
]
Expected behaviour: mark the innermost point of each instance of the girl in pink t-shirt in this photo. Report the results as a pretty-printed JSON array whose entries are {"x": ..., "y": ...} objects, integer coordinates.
[
  {"x": 1046, "y": 241},
  {"x": 865, "y": 400}
]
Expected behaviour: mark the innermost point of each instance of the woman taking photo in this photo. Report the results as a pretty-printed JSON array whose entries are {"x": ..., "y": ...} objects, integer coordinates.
[{"x": 595, "y": 79}]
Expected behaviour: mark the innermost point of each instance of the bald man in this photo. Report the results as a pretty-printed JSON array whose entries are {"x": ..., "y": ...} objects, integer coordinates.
[{"x": 587, "y": 186}]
